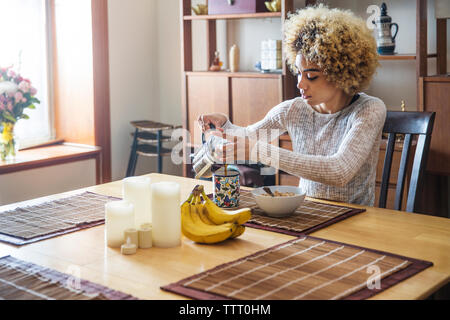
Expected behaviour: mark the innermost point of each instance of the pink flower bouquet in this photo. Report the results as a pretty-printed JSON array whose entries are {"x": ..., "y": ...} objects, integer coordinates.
[{"x": 16, "y": 94}]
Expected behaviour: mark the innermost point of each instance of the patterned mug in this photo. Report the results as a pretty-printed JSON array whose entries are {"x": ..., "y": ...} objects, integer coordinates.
[{"x": 226, "y": 188}]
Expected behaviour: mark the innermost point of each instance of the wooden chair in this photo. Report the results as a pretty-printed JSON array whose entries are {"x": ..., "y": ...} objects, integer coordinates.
[
  {"x": 409, "y": 124},
  {"x": 147, "y": 141}
]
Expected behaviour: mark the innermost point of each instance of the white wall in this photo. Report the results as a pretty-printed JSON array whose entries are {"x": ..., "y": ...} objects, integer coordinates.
[
  {"x": 145, "y": 83},
  {"x": 33, "y": 183},
  {"x": 168, "y": 61},
  {"x": 144, "y": 56}
]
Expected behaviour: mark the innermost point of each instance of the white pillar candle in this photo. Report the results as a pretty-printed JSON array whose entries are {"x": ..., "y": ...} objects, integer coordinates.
[
  {"x": 137, "y": 191},
  {"x": 119, "y": 217},
  {"x": 166, "y": 214}
]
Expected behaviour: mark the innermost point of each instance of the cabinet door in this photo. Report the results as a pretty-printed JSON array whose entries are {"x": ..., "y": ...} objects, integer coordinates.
[
  {"x": 206, "y": 94},
  {"x": 252, "y": 98},
  {"x": 437, "y": 97}
]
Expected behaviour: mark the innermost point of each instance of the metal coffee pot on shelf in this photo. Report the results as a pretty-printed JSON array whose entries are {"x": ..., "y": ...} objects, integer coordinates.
[
  {"x": 205, "y": 157},
  {"x": 385, "y": 39}
]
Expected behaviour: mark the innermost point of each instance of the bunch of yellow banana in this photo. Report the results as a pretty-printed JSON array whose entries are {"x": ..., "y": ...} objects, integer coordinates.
[{"x": 204, "y": 222}]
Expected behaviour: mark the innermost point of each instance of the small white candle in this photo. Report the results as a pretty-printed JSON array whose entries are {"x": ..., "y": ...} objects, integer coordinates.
[
  {"x": 137, "y": 191},
  {"x": 119, "y": 217},
  {"x": 128, "y": 247},
  {"x": 131, "y": 234},
  {"x": 145, "y": 236},
  {"x": 166, "y": 215}
]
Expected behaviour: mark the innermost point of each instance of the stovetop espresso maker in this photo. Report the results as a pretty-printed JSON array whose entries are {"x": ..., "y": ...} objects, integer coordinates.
[{"x": 205, "y": 157}]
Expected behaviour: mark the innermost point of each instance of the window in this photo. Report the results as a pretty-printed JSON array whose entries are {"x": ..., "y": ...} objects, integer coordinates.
[{"x": 25, "y": 42}]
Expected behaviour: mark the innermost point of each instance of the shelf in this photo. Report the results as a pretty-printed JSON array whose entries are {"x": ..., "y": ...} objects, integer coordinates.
[
  {"x": 234, "y": 74},
  {"x": 438, "y": 78},
  {"x": 50, "y": 155},
  {"x": 397, "y": 57},
  {"x": 403, "y": 56},
  {"x": 234, "y": 16}
]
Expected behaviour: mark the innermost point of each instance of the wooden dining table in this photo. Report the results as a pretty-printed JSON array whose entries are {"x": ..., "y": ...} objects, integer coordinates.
[{"x": 85, "y": 254}]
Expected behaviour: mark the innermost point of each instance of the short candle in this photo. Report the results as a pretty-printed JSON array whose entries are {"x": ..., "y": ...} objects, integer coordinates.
[
  {"x": 119, "y": 217},
  {"x": 131, "y": 234},
  {"x": 128, "y": 247},
  {"x": 145, "y": 236}
]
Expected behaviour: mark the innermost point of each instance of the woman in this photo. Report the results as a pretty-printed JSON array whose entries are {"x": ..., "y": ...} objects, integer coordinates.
[{"x": 334, "y": 127}]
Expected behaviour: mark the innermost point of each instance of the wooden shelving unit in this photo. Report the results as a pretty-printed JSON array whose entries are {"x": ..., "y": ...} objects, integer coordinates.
[
  {"x": 232, "y": 93},
  {"x": 235, "y": 74},
  {"x": 397, "y": 57},
  {"x": 434, "y": 90},
  {"x": 403, "y": 56},
  {"x": 259, "y": 15}
]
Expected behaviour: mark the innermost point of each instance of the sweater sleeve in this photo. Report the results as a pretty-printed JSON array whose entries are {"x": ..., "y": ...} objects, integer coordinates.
[
  {"x": 337, "y": 169},
  {"x": 271, "y": 126}
]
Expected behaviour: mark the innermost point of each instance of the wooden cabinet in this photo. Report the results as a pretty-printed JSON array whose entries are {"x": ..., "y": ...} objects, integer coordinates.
[
  {"x": 436, "y": 92},
  {"x": 244, "y": 97},
  {"x": 252, "y": 98},
  {"x": 206, "y": 94},
  {"x": 434, "y": 95}
]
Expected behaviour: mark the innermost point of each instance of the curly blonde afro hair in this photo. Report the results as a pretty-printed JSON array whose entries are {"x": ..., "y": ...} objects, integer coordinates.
[{"x": 337, "y": 41}]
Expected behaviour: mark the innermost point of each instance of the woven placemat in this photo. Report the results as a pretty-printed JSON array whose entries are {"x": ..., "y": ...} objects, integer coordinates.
[
  {"x": 309, "y": 217},
  {"x": 302, "y": 269},
  {"x": 21, "y": 280},
  {"x": 33, "y": 223}
]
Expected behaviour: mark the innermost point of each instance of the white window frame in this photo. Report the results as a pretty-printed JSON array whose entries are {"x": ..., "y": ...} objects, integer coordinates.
[{"x": 47, "y": 60}]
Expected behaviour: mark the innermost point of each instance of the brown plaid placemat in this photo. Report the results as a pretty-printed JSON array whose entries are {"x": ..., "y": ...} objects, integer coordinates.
[
  {"x": 20, "y": 280},
  {"x": 25, "y": 225},
  {"x": 302, "y": 269},
  {"x": 309, "y": 217}
]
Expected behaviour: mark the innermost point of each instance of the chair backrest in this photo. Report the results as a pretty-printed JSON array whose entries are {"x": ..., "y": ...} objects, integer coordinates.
[{"x": 409, "y": 124}]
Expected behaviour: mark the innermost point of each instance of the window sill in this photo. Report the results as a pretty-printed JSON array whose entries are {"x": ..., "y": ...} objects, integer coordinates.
[{"x": 52, "y": 155}]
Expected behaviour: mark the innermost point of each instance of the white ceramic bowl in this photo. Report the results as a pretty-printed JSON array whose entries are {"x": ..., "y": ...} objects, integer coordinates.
[{"x": 279, "y": 206}]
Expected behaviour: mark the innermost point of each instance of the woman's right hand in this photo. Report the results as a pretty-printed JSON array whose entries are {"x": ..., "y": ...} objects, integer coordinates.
[{"x": 217, "y": 119}]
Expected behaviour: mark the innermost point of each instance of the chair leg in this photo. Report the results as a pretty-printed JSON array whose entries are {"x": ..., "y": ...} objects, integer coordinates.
[
  {"x": 158, "y": 150},
  {"x": 133, "y": 156},
  {"x": 134, "y": 165}
]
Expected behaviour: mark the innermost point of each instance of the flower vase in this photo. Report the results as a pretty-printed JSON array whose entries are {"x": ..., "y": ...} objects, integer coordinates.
[{"x": 8, "y": 143}]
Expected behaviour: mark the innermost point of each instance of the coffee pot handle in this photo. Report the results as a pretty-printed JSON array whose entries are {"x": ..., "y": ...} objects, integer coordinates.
[
  {"x": 212, "y": 127},
  {"x": 396, "y": 30}
]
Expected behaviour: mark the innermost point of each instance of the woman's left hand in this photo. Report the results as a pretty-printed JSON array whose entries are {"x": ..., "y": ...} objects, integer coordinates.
[{"x": 237, "y": 150}]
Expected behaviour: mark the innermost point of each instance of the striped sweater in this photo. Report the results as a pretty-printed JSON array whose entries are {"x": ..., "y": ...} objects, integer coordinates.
[{"x": 335, "y": 155}]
